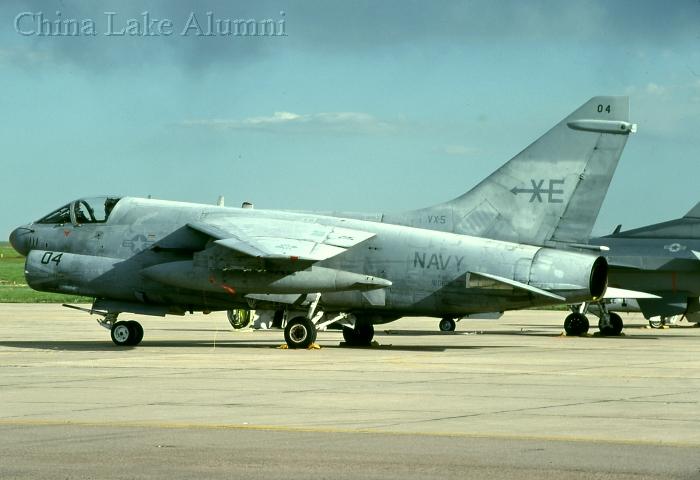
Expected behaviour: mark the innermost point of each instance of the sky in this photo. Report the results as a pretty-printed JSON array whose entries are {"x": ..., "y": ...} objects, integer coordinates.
[{"x": 357, "y": 106}]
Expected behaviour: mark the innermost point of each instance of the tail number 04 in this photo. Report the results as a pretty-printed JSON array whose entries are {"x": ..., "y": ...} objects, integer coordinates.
[
  {"x": 49, "y": 257},
  {"x": 603, "y": 108}
]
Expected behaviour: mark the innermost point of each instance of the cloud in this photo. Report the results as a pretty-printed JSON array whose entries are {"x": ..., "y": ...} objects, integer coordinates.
[
  {"x": 289, "y": 122},
  {"x": 654, "y": 89},
  {"x": 24, "y": 57},
  {"x": 650, "y": 88},
  {"x": 458, "y": 150}
]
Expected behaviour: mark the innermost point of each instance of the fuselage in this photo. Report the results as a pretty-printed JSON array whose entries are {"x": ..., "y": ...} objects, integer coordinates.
[
  {"x": 428, "y": 272},
  {"x": 650, "y": 264}
]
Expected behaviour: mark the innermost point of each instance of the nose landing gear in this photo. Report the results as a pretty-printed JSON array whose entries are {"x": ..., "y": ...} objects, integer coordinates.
[
  {"x": 123, "y": 333},
  {"x": 127, "y": 334}
]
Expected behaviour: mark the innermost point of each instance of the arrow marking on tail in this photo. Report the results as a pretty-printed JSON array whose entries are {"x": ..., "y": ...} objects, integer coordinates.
[{"x": 553, "y": 194}]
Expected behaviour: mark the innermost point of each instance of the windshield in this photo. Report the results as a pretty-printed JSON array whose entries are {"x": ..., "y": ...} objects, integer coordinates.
[
  {"x": 61, "y": 215},
  {"x": 85, "y": 210}
]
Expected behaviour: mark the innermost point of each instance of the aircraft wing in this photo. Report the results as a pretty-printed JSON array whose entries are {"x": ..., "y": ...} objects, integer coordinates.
[{"x": 273, "y": 239}]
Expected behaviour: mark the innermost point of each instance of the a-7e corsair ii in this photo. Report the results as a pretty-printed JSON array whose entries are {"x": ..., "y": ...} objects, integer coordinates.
[{"x": 158, "y": 257}]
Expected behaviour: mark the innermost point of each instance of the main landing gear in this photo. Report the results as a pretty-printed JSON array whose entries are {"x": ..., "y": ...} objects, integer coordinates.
[
  {"x": 576, "y": 324},
  {"x": 610, "y": 323},
  {"x": 612, "y": 326},
  {"x": 301, "y": 330},
  {"x": 360, "y": 335}
]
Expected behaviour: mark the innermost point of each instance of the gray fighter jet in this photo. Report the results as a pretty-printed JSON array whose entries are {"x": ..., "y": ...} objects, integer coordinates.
[
  {"x": 662, "y": 260},
  {"x": 158, "y": 257}
]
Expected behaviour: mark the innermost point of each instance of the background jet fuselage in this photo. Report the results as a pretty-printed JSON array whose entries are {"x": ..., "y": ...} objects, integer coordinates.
[{"x": 662, "y": 259}]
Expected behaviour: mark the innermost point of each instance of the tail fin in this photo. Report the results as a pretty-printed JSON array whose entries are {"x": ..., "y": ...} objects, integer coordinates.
[
  {"x": 550, "y": 192},
  {"x": 693, "y": 212}
]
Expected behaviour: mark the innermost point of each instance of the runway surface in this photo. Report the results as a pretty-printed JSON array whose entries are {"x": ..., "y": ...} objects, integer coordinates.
[{"x": 508, "y": 398}]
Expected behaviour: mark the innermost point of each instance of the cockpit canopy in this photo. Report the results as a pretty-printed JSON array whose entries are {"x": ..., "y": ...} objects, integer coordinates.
[{"x": 85, "y": 210}]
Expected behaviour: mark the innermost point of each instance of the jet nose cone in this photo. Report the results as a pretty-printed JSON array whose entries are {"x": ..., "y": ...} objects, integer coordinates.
[{"x": 19, "y": 240}]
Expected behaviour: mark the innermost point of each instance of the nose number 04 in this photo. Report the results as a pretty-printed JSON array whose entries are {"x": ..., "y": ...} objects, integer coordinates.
[{"x": 49, "y": 257}]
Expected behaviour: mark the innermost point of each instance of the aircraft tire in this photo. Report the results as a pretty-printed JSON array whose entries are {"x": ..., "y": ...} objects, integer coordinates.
[
  {"x": 615, "y": 327},
  {"x": 360, "y": 336},
  {"x": 447, "y": 325},
  {"x": 576, "y": 324},
  {"x": 300, "y": 332},
  {"x": 137, "y": 331},
  {"x": 122, "y": 334}
]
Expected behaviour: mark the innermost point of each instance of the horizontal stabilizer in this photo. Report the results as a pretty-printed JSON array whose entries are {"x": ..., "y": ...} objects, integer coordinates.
[
  {"x": 520, "y": 285},
  {"x": 622, "y": 293}
]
